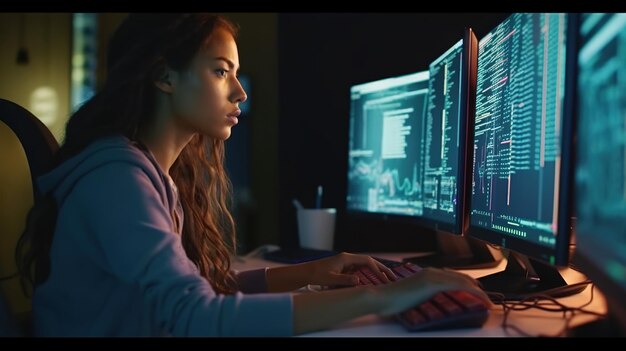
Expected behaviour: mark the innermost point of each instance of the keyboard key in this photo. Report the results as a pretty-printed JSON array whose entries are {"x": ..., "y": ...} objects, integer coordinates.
[
  {"x": 467, "y": 300},
  {"x": 446, "y": 310},
  {"x": 444, "y": 302},
  {"x": 412, "y": 267},
  {"x": 372, "y": 277},
  {"x": 402, "y": 271},
  {"x": 413, "y": 317},
  {"x": 431, "y": 311}
]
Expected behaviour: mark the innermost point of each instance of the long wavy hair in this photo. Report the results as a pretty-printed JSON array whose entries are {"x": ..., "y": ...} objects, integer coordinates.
[{"x": 138, "y": 51}]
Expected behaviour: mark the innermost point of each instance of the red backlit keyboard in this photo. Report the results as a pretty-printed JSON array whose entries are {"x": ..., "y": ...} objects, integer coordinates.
[{"x": 446, "y": 310}]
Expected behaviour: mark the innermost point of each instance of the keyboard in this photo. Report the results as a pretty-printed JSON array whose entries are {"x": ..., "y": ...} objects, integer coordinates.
[{"x": 446, "y": 310}]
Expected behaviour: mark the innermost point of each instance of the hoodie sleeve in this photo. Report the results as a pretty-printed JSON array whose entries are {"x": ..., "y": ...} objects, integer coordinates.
[
  {"x": 129, "y": 235},
  {"x": 252, "y": 282}
]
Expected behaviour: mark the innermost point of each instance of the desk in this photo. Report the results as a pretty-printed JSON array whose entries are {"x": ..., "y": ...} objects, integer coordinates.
[{"x": 532, "y": 321}]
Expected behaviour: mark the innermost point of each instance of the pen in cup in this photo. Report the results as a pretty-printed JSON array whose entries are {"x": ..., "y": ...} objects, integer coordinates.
[
  {"x": 318, "y": 199},
  {"x": 297, "y": 204}
]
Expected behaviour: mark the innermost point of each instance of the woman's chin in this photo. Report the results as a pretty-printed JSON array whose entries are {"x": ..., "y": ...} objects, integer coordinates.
[
  {"x": 226, "y": 133},
  {"x": 221, "y": 134}
]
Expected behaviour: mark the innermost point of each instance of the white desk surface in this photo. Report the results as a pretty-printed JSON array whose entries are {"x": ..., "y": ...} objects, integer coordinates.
[{"x": 531, "y": 321}]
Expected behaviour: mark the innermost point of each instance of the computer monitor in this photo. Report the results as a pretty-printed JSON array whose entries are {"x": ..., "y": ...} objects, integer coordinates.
[
  {"x": 447, "y": 158},
  {"x": 601, "y": 158},
  {"x": 445, "y": 137},
  {"x": 522, "y": 176},
  {"x": 408, "y": 154},
  {"x": 385, "y": 142}
]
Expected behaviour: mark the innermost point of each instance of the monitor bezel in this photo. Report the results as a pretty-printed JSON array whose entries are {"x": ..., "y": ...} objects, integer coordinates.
[
  {"x": 559, "y": 254},
  {"x": 468, "y": 82}
]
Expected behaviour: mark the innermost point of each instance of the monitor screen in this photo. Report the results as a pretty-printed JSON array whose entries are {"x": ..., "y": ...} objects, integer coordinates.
[
  {"x": 407, "y": 144},
  {"x": 445, "y": 138},
  {"x": 441, "y": 137},
  {"x": 601, "y": 156},
  {"x": 385, "y": 143},
  {"x": 523, "y": 140}
]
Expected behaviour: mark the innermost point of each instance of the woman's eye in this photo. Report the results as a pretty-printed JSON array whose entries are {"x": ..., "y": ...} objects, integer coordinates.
[{"x": 221, "y": 72}]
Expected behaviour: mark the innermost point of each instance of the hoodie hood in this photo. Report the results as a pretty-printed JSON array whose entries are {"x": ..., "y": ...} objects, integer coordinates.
[{"x": 61, "y": 180}]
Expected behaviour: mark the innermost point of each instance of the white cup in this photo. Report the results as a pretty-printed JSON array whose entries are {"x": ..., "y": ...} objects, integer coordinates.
[{"x": 316, "y": 227}]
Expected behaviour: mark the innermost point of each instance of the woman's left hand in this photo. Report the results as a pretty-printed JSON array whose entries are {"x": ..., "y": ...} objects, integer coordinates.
[{"x": 339, "y": 269}]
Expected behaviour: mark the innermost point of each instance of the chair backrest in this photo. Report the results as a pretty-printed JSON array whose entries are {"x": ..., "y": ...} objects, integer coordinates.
[
  {"x": 9, "y": 326},
  {"x": 26, "y": 150}
]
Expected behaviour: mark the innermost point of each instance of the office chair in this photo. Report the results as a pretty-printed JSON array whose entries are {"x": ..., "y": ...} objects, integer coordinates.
[
  {"x": 26, "y": 150},
  {"x": 8, "y": 323}
]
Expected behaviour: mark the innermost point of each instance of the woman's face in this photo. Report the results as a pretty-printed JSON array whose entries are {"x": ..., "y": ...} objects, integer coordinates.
[{"x": 206, "y": 96}]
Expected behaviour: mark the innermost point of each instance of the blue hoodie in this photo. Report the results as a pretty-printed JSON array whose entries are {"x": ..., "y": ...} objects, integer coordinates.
[{"x": 118, "y": 267}]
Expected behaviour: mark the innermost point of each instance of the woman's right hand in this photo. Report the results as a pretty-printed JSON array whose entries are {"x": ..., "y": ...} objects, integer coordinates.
[{"x": 420, "y": 287}]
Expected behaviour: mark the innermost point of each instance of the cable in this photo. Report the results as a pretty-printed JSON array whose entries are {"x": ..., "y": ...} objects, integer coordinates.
[{"x": 544, "y": 303}]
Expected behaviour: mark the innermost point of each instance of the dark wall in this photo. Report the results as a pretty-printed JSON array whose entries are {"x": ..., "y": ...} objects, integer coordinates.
[
  {"x": 320, "y": 57},
  {"x": 257, "y": 217}
]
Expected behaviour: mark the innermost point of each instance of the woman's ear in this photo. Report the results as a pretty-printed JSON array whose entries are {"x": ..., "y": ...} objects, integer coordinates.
[
  {"x": 163, "y": 78},
  {"x": 164, "y": 82}
]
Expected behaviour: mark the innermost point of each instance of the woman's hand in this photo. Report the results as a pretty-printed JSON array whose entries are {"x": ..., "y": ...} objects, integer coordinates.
[
  {"x": 330, "y": 271},
  {"x": 423, "y": 285},
  {"x": 327, "y": 308},
  {"x": 339, "y": 269}
]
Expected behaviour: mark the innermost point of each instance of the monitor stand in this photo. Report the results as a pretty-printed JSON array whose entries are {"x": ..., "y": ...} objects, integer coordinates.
[
  {"x": 524, "y": 276},
  {"x": 458, "y": 252}
]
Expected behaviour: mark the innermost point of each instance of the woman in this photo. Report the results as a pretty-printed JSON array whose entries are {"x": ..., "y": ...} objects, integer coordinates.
[{"x": 135, "y": 237}]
